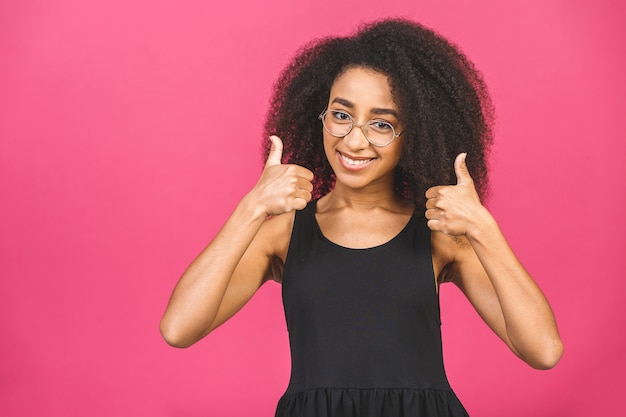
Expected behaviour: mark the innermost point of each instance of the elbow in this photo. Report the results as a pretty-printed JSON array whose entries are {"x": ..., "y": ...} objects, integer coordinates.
[
  {"x": 173, "y": 336},
  {"x": 549, "y": 356}
]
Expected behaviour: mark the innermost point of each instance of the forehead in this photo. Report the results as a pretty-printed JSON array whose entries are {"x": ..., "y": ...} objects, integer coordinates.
[{"x": 364, "y": 87}]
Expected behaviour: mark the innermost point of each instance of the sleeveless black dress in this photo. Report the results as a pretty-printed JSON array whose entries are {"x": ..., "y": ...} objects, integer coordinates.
[{"x": 364, "y": 327}]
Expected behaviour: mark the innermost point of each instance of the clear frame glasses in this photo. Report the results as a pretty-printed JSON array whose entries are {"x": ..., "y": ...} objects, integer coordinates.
[{"x": 338, "y": 123}]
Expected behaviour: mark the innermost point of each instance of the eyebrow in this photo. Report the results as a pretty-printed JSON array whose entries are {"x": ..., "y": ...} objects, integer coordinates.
[{"x": 375, "y": 110}]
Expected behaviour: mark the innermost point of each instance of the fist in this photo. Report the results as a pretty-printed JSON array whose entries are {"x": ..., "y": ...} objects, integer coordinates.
[
  {"x": 283, "y": 188},
  {"x": 454, "y": 209}
]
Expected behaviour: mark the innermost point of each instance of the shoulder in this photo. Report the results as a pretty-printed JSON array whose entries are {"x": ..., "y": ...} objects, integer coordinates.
[
  {"x": 275, "y": 234},
  {"x": 267, "y": 251},
  {"x": 448, "y": 252}
]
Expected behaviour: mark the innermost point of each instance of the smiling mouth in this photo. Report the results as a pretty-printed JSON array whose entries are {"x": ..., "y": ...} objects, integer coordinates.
[{"x": 354, "y": 162}]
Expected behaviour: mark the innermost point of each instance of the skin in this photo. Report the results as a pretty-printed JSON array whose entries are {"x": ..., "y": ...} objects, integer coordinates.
[{"x": 363, "y": 211}]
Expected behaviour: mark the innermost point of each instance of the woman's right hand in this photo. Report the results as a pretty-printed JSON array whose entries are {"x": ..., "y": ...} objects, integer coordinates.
[
  {"x": 244, "y": 254},
  {"x": 282, "y": 188}
]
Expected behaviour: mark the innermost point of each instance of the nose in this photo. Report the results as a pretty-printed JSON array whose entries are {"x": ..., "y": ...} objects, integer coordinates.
[{"x": 356, "y": 139}]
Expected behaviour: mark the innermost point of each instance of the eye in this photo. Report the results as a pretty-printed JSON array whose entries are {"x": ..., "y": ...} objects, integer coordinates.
[
  {"x": 341, "y": 117},
  {"x": 380, "y": 126}
]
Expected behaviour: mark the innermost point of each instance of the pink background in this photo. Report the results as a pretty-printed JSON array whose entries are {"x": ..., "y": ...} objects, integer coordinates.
[{"x": 129, "y": 129}]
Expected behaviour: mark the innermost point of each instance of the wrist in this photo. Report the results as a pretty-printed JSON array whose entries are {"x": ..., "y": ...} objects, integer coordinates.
[
  {"x": 249, "y": 204},
  {"x": 483, "y": 223}
]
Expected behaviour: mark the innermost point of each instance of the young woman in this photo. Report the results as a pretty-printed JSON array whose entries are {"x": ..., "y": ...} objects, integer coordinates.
[{"x": 368, "y": 201}]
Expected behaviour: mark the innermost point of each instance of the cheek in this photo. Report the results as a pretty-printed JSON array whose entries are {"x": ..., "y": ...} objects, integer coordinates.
[
  {"x": 395, "y": 152},
  {"x": 329, "y": 144}
]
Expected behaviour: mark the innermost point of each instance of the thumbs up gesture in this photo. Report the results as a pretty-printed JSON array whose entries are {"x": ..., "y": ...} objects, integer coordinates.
[
  {"x": 282, "y": 188},
  {"x": 455, "y": 209}
]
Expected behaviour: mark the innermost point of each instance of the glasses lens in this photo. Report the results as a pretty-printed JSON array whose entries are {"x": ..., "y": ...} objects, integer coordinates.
[
  {"x": 379, "y": 132},
  {"x": 337, "y": 123}
]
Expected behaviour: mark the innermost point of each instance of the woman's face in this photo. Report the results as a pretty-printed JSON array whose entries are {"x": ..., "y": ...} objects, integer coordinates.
[{"x": 363, "y": 94}]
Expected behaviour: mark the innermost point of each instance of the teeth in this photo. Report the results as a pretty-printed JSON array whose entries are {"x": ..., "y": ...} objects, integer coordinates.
[{"x": 354, "y": 162}]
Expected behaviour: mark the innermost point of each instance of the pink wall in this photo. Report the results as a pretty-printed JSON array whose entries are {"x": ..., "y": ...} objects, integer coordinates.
[{"x": 130, "y": 129}]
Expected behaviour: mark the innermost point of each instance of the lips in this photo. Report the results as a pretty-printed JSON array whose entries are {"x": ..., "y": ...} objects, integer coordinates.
[{"x": 352, "y": 162}]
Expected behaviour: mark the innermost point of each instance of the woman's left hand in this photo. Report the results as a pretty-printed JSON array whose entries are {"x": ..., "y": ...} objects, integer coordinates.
[
  {"x": 455, "y": 209},
  {"x": 489, "y": 273}
]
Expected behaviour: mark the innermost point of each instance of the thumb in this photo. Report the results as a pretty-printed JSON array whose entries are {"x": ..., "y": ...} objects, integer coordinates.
[
  {"x": 276, "y": 152},
  {"x": 460, "y": 169}
]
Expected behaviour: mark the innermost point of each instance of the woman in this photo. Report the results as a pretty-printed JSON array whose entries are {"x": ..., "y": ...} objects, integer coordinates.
[{"x": 372, "y": 210}]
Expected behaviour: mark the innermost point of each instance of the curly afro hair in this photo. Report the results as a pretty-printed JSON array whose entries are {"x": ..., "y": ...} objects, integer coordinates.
[{"x": 443, "y": 102}]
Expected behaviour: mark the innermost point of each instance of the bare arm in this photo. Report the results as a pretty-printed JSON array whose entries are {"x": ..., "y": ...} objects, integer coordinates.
[
  {"x": 241, "y": 256},
  {"x": 485, "y": 268}
]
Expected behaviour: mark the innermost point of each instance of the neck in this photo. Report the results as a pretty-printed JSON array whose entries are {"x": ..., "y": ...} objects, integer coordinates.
[{"x": 375, "y": 196}]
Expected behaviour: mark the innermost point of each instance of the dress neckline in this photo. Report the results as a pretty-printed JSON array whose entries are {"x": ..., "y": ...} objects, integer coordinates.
[{"x": 390, "y": 241}]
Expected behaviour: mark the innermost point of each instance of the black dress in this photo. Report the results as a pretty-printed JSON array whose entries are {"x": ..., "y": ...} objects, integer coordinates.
[{"x": 364, "y": 327}]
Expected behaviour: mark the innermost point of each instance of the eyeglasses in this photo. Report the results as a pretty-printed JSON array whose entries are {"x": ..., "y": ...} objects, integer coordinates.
[{"x": 339, "y": 124}]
